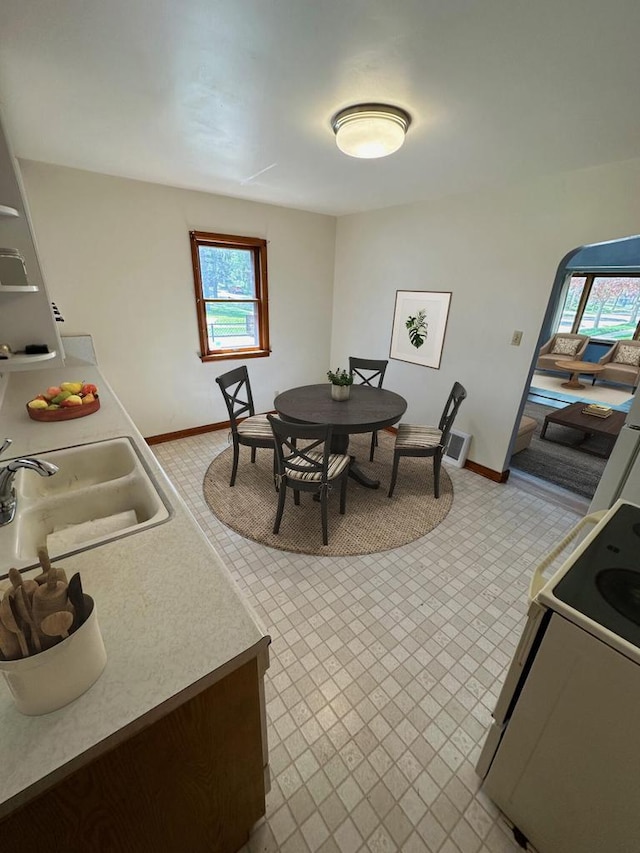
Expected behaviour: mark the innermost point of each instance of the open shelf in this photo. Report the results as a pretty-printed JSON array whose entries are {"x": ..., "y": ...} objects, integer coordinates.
[
  {"x": 19, "y": 288},
  {"x": 16, "y": 275},
  {"x": 5, "y": 210},
  {"x": 20, "y": 361}
]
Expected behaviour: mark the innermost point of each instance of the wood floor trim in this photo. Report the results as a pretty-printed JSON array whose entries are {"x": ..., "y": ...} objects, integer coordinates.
[
  {"x": 489, "y": 473},
  {"x": 186, "y": 433}
]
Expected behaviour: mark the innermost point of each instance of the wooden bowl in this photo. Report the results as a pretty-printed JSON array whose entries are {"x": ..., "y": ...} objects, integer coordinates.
[{"x": 67, "y": 414}]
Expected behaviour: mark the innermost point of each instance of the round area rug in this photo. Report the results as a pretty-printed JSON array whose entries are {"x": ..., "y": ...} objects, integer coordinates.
[{"x": 372, "y": 521}]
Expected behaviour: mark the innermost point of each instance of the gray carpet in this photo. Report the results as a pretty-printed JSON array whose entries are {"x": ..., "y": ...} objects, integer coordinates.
[
  {"x": 372, "y": 522},
  {"x": 567, "y": 467}
]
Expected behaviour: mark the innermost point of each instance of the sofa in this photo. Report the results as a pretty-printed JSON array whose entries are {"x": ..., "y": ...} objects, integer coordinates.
[
  {"x": 563, "y": 346},
  {"x": 621, "y": 364}
]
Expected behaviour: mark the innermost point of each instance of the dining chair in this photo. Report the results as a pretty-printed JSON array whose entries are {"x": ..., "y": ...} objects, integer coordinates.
[
  {"x": 304, "y": 462},
  {"x": 246, "y": 427},
  {"x": 368, "y": 371},
  {"x": 413, "y": 440}
]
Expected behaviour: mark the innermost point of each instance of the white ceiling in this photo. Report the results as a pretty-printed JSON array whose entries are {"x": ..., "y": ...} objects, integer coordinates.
[{"x": 236, "y": 97}]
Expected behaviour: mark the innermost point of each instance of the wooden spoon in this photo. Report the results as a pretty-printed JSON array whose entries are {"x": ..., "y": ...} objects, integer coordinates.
[
  {"x": 42, "y": 577},
  {"x": 50, "y": 597},
  {"x": 45, "y": 563},
  {"x": 6, "y": 614},
  {"x": 57, "y": 624},
  {"x": 15, "y": 624},
  {"x": 20, "y": 593},
  {"x": 5, "y": 610},
  {"x": 9, "y": 645},
  {"x": 29, "y": 586},
  {"x": 43, "y": 556},
  {"x": 24, "y": 608}
]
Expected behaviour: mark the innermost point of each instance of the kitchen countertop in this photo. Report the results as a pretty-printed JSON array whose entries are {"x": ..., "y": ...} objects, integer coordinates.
[{"x": 172, "y": 619}]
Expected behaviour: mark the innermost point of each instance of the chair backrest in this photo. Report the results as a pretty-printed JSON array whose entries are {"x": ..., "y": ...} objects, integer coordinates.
[
  {"x": 584, "y": 340},
  {"x": 454, "y": 401},
  {"x": 294, "y": 444},
  {"x": 367, "y": 371},
  {"x": 616, "y": 349},
  {"x": 236, "y": 391}
]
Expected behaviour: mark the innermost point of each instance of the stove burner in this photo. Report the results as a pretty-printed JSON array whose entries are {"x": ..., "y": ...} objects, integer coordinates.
[
  {"x": 621, "y": 589},
  {"x": 636, "y": 529}
]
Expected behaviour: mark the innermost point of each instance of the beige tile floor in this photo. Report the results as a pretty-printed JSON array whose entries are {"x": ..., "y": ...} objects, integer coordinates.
[{"x": 385, "y": 667}]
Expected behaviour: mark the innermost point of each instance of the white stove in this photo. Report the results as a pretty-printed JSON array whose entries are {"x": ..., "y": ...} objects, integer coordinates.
[{"x": 561, "y": 758}]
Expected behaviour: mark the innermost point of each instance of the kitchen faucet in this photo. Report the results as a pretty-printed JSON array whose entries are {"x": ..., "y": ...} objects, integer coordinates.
[{"x": 8, "y": 500}]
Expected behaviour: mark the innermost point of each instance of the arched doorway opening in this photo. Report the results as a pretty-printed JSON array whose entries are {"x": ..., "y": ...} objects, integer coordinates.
[{"x": 596, "y": 293}]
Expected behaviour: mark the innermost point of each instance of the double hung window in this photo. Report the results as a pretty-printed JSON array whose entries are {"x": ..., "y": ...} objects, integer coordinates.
[{"x": 230, "y": 277}]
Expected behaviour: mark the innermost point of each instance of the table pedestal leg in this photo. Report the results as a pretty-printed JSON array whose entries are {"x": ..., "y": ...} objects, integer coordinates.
[
  {"x": 573, "y": 381},
  {"x": 340, "y": 444}
]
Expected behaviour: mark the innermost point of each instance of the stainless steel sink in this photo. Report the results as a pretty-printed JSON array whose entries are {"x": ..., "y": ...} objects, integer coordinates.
[{"x": 101, "y": 492}]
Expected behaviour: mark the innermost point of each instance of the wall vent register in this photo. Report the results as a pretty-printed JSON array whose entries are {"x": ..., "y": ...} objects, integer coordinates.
[{"x": 458, "y": 448}]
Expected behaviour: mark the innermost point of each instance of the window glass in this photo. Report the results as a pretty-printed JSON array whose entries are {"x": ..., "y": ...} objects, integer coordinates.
[
  {"x": 231, "y": 325},
  {"x": 612, "y": 309},
  {"x": 226, "y": 273},
  {"x": 571, "y": 302}
]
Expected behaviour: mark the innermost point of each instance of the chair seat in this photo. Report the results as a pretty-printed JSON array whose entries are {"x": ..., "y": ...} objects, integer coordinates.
[
  {"x": 410, "y": 435},
  {"x": 256, "y": 426},
  {"x": 337, "y": 463}
]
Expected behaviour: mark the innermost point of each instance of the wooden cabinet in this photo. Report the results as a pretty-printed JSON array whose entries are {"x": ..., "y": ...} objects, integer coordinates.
[{"x": 189, "y": 782}]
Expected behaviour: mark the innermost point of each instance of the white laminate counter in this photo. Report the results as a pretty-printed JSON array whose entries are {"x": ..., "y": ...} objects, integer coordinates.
[{"x": 172, "y": 619}]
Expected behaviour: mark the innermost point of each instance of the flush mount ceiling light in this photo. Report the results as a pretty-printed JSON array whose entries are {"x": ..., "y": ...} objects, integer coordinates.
[{"x": 370, "y": 130}]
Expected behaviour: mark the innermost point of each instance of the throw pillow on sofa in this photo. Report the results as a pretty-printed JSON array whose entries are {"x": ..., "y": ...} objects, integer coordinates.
[
  {"x": 627, "y": 355},
  {"x": 565, "y": 346}
]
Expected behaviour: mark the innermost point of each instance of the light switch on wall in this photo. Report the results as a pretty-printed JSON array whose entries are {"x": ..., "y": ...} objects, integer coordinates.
[{"x": 516, "y": 338}]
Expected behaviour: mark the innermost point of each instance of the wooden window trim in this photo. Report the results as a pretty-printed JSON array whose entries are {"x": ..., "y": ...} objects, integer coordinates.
[{"x": 259, "y": 249}]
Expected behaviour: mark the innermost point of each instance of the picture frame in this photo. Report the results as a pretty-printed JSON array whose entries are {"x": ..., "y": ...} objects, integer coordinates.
[{"x": 419, "y": 326}]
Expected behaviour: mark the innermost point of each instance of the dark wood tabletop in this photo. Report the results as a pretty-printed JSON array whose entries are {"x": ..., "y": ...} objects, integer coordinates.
[{"x": 366, "y": 410}]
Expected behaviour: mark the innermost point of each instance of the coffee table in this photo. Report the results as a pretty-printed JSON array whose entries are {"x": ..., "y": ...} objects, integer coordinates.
[
  {"x": 575, "y": 368},
  {"x": 367, "y": 410},
  {"x": 588, "y": 425}
]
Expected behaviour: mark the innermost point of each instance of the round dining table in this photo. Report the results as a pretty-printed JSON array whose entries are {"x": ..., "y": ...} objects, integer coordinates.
[{"x": 367, "y": 410}]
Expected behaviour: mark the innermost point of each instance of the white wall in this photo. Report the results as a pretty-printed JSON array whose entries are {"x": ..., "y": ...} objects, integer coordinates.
[
  {"x": 497, "y": 252},
  {"x": 116, "y": 257},
  {"x": 115, "y": 254}
]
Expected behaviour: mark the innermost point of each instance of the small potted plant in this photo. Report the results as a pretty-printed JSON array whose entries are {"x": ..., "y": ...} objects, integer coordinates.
[{"x": 341, "y": 383}]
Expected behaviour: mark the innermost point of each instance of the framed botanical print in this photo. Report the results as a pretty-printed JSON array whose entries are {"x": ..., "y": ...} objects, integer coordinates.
[{"x": 419, "y": 325}]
